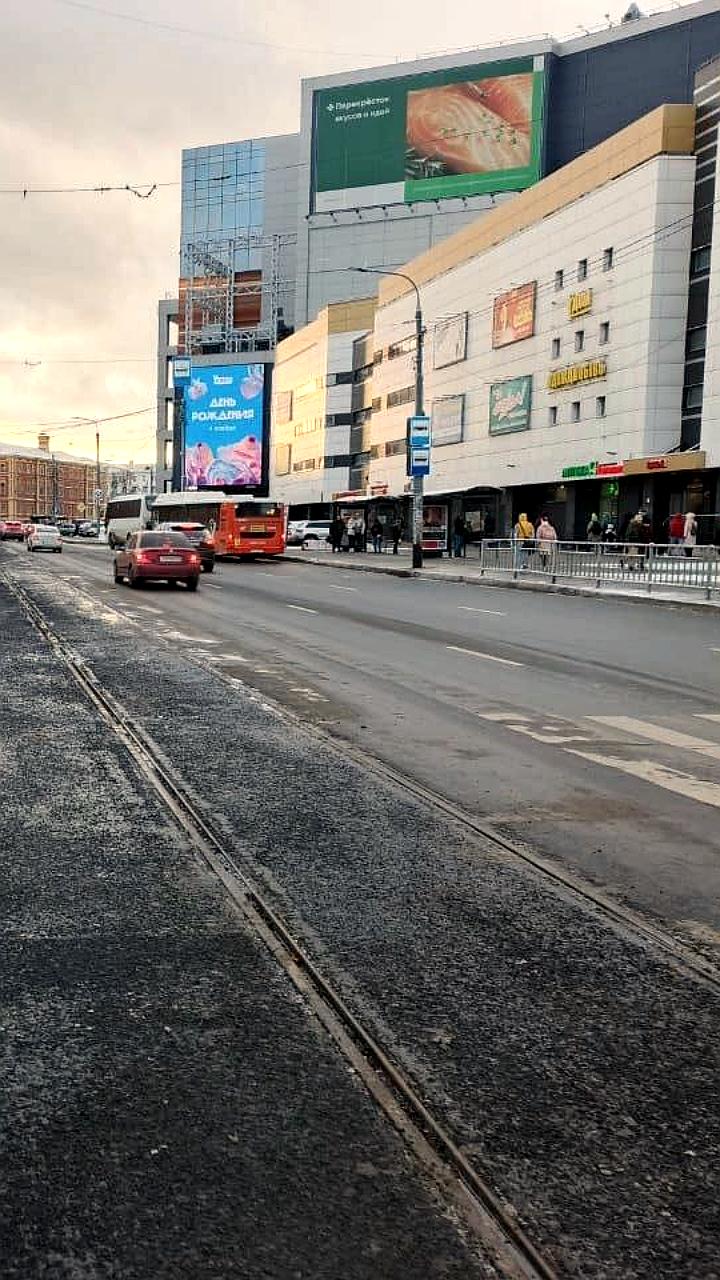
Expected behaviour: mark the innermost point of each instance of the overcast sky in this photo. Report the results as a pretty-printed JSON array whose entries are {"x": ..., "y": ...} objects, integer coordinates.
[{"x": 89, "y": 98}]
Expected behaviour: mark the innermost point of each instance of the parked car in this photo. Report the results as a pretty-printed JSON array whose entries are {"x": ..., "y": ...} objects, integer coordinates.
[
  {"x": 154, "y": 555},
  {"x": 67, "y": 528},
  {"x": 13, "y": 529},
  {"x": 315, "y": 531},
  {"x": 44, "y": 537},
  {"x": 198, "y": 535},
  {"x": 88, "y": 529}
]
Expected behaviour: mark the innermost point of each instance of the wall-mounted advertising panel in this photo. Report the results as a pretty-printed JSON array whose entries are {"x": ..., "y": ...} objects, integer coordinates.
[
  {"x": 447, "y": 415},
  {"x": 514, "y": 315},
  {"x": 450, "y": 341},
  {"x": 225, "y": 427},
  {"x": 457, "y": 132},
  {"x": 510, "y": 403}
]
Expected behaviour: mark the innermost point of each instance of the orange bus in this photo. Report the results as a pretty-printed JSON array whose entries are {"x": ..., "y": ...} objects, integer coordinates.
[{"x": 241, "y": 525}]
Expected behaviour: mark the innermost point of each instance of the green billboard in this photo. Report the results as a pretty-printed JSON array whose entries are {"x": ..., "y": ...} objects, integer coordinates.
[
  {"x": 458, "y": 132},
  {"x": 510, "y": 403}
]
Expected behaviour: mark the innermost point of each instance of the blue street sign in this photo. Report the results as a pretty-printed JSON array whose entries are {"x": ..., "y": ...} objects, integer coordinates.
[
  {"x": 181, "y": 371},
  {"x": 419, "y": 462},
  {"x": 419, "y": 431}
]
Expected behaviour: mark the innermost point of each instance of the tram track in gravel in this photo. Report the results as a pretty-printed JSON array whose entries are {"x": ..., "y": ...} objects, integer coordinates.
[{"x": 463, "y": 1188}]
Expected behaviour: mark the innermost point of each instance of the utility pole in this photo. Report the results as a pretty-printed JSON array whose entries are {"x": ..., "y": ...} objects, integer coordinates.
[
  {"x": 418, "y": 482},
  {"x": 97, "y": 478}
]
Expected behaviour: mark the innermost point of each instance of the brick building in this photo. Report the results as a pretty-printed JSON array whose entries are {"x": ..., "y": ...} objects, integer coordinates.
[{"x": 40, "y": 482}]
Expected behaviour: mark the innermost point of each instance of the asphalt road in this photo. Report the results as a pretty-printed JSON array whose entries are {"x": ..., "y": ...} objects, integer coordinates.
[
  {"x": 574, "y": 1064},
  {"x": 589, "y": 729}
]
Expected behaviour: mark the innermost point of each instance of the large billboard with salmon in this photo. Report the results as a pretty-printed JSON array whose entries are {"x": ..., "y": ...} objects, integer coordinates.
[{"x": 458, "y": 132}]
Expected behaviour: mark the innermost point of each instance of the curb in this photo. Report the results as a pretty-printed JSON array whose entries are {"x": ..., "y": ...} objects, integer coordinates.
[{"x": 543, "y": 588}]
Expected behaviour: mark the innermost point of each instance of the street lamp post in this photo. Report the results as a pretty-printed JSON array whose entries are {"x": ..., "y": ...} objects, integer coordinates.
[
  {"x": 93, "y": 422},
  {"x": 418, "y": 482}
]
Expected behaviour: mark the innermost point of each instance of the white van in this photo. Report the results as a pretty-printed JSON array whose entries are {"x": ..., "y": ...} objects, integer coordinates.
[{"x": 126, "y": 514}]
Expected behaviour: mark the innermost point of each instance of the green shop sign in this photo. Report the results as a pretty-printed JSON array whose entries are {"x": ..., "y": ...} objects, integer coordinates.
[
  {"x": 510, "y": 403},
  {"x": 585, "y": 471}
]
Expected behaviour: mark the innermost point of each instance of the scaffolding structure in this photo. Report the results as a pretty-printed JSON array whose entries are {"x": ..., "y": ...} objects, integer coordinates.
[{"x": 228, "y": 305}]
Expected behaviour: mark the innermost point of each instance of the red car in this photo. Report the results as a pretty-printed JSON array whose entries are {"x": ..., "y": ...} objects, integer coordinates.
[
  {"x": 13, "y": 529},
  {"x": 152, "y": 556}
]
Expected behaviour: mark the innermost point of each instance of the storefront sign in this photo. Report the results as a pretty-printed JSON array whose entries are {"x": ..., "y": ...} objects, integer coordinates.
[
  {"x": 510, "y": 405},
  {"x": 580, "y": 303},
  {"x": 610, "y": 469},
  {"x": 665, "y": 462},
  {"x": 577, "y": 373},
  {"x": 583, "y": 471},
  {"x": 514, "y": 315}
]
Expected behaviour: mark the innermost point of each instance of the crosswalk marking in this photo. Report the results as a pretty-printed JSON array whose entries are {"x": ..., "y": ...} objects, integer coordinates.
[
  {"x": 489, "y": 657},
  {"x": 682, "y": 784},
  {"x": 658, "y": 733}
]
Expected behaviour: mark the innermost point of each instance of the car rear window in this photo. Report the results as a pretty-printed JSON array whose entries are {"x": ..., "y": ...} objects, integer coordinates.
[{"x": 164, "y": 540}]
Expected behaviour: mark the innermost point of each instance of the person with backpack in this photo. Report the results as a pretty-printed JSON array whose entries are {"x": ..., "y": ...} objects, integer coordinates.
[
  {"x": 546, "y": 539},
  {"x": 690, "y": 530}
]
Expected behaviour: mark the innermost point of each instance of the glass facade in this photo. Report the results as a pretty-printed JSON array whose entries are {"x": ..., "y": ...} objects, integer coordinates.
[{"x": 223, "y": 197}]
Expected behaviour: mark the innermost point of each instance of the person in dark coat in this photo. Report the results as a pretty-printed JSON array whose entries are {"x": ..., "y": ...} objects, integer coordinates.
[{"x": 396, "y": 534}]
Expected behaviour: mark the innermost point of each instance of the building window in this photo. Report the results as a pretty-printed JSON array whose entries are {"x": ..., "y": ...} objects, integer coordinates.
[
  {"x": 600, "y": 406},
  {"x": 377, "y": 404},
  {"x": 404, "y": 396},
  {"x": 575, "y": 411},
  {"x": 693, "y": 397},
  {"x": 582, "y": 269},
  {"x": 395, "y": 447},
  {"x": 553, "y": 415},
  {"x": 607, "y": 259},
  {"x": 604, "y": 332},
  {"x": 579, "y": 339},
  {"x": 696, "y": 340},
  {"x": 700, "y": 261},
  {"x": 559, "y": 280},
  {"x": 555, "y": 350}
]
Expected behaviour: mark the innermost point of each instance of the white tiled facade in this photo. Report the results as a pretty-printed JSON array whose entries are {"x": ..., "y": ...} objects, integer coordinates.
[
  {"x": 312, "y": 406},
  {"x": 644, "y": 218}
]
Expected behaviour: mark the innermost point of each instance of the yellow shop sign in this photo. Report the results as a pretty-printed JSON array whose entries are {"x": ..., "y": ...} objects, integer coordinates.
[
  {"x": 576, "y": 373},
  {"x": 580, "y": 303}
]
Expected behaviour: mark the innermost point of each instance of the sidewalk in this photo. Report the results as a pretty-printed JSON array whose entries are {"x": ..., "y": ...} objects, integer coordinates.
[{"x": 467, "y": 570}]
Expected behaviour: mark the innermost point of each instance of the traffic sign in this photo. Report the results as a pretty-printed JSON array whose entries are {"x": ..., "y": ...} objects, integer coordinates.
[
  {"x": 181, "y": 371},
  {"x": 418, "y": 445},
  {"x": 98, "y": 494},
  {"x": 419, "y": 462}
]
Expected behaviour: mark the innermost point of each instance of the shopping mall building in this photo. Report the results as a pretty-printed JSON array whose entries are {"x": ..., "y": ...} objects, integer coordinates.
[{"x": 491, "y": 177}]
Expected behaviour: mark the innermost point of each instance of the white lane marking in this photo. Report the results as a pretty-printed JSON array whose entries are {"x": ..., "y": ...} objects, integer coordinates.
[
  {"x": 657, "y": 733},
  {"x": 336, "y": 587},
  {"x": 489, "y": 657},
  {"x": 148, "y": 608},
  {"x": 714, "y": 650},
  {"x": 300, "y": 608},
  {"x": 180, "y": 635},
  {"x": 708, "y": 715},
  {"x": 681, "y": 784},
  {"x": 226, "y": 657},
  {"x": 499, "y": 716},
  {"x": 212, "y": 586},
  {"x": 466, "y": 608}
]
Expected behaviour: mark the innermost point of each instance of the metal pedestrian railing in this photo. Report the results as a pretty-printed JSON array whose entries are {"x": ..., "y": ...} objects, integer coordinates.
[{"x": 652, "y": 566}]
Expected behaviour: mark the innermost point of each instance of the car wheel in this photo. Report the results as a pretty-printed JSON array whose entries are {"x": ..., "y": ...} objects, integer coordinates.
[
  {"x": 208, "y": 568},
  {"x": 133, "y": 580},
  {"x": 59, "y": 550},
  {"x": 192, "y": 584},
  {"x": 117, "y": 577},
  {"x": 172, "y": 582}
]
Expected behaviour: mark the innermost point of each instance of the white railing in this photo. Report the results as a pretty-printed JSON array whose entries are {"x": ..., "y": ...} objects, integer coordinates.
[{"x": 650, "y": 565}]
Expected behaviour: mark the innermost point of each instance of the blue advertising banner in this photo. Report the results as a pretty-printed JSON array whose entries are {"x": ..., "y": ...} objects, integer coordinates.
[{"x": 224, "y": 424}]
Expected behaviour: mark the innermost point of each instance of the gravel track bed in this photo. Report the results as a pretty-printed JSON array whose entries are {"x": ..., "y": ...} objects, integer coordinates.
[
  {"x": 579, "y": 1069},
  {"x": 169, "y": 1107}
]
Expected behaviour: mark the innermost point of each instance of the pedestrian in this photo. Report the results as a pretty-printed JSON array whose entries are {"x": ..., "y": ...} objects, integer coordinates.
[
  {"x": 344, "y": 536},
  {"x": 609, "y": 533},
  {"x": 376, "y": 532},
  {"x": 336, "y": 533},
  {"x": 395, "y": 534},
  {"x": 690, "y": 529},
  {"x": 635, "y": 536},
  {"x": 524, "y": 536},
  {"x": 594, "y": 529},
  {"x": 676, "y": 532},
  {"x": 356, "y": 530},
  {"x": 458, "y": 537},
  {"x": 546, "y": 538}
]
